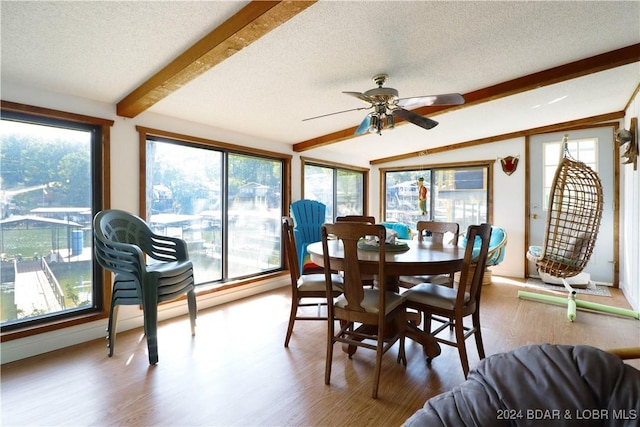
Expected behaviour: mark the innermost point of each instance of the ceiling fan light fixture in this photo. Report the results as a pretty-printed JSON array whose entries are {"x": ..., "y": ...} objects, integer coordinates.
[
  {"x": 391, "y": 122},
  {"x": 374, "y": 124},
  {"x": 387, "y": 104}
]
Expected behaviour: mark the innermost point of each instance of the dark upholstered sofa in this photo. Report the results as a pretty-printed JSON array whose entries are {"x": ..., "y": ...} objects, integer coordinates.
[{"x": 540, "y": 385}]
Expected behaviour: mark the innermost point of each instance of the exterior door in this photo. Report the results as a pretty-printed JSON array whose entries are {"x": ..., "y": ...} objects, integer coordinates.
[{"x": 602, "y": 262}]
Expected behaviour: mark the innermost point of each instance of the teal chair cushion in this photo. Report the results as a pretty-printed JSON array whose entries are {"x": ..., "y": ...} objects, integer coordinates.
[{"x": 402, "y": 230}]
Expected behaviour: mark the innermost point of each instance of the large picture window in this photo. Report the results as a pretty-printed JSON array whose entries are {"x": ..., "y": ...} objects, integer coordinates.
[
  {"x": 50, "y": 180},
  {"x": 224, "y": 203},
  {"x": 341, "y": 188},
  {"x": 453, "y": 194}
]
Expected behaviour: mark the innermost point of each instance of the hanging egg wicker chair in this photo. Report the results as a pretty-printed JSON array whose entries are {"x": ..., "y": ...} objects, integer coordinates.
[{"x": 575, "y": 210}]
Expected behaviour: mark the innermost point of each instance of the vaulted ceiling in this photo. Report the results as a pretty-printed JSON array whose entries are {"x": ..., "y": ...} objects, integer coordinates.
[{"x": 260, "y": 68}]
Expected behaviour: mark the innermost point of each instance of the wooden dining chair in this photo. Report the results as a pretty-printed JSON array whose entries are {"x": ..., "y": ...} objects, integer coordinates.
[
  {"x": 306, "y": 289},
  {"x": 450, "y": 306},
  {"x": 369, "y": 318},
  {"x": 435, "y": 231}
]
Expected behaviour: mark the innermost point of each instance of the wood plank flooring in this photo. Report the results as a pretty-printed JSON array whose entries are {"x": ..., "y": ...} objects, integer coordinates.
[{"x": 235, "y": 371}]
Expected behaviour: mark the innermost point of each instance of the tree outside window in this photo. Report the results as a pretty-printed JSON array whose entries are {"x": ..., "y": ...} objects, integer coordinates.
[{"x": 340, "y": 188}]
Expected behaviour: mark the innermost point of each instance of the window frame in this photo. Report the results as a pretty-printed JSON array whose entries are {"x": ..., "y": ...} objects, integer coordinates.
[
  {"x": 431, "y": 167},
  {"x": 102, "y": 197},
  {"x": 553, "y": 163},
  {"x": 145, "y": 133},
  {"x": 306, "y": 161}
]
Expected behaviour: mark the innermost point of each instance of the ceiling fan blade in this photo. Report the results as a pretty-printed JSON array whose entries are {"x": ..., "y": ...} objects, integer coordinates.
[
  {"x": 360, "y": 96},
  {"x": 421, "y": 101},
  {"x": 337, "y": 112},
  {"x": 364, "y": 125},
  {"x": 416, "y": 119}
]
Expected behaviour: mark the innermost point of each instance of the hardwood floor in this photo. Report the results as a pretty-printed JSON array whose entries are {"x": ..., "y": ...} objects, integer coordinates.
[{"x": 236, "y": 371}]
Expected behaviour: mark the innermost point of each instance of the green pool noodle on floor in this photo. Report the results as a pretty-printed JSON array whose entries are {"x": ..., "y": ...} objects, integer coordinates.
[
  {"x": 571, "y": 307},
  {"x": 580, "y": 304}
]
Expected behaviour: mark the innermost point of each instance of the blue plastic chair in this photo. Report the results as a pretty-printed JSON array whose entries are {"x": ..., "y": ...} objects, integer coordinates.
[
  {"x": 308, "y": 216},
  {"x": 497, "y": 250},
  {"x": 403, "y": 231},
  {"x": 497, "y": 246}
]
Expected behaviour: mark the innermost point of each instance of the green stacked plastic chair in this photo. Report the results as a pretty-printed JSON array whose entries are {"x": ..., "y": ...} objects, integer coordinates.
[{"x": 121, "y": 241}]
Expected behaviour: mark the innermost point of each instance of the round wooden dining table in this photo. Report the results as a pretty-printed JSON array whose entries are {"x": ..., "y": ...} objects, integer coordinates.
[{"x": 420, "y": 258}]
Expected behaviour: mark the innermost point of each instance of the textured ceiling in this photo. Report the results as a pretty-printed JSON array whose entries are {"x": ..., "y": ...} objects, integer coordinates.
[{"x": 104, "y": 50}]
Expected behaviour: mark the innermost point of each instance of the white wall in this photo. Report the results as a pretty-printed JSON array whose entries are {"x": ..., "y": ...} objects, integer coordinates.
[
  {"x": 508, "y": 194},
  {"x": 629, "y": 221}
]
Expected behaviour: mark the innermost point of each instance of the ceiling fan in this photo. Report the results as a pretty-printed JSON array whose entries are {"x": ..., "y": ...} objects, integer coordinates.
[{"x": 387, "y": 106}]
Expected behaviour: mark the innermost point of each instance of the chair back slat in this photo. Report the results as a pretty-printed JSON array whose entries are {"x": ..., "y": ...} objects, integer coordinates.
[{"x": 348, "y": 234}]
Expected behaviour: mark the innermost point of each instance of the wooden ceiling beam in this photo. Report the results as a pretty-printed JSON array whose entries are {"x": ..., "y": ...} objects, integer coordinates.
[
  {"x": 616, "y": 115},
  {"x": 245, "y": 27},
  {"x": 583, "y": 67}
]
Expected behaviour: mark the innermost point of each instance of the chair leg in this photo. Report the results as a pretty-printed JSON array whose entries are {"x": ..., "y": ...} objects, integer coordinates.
[
  {"x": 426, "y": 319},
  {"x": 402, "y": 356},
  {"x": 193, "y": 310},
  {"x": 150, "y": 314},
  {"x": 478, "y": 334},
  {"x": 111, "y": 328},
  {"x": 292, "y": 319},
  {"x": 401, "y": 323},
  {"x": 378, "y": 368},
  {"x": 329, "y": 360},
  {"x": 152, "y": 345},
  {"x": 351, "y": 348},
  {"x": 462, "y": 349}
]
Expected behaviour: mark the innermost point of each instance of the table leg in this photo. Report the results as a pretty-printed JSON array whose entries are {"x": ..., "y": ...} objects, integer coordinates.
[{"x": 429, "y": 344}]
